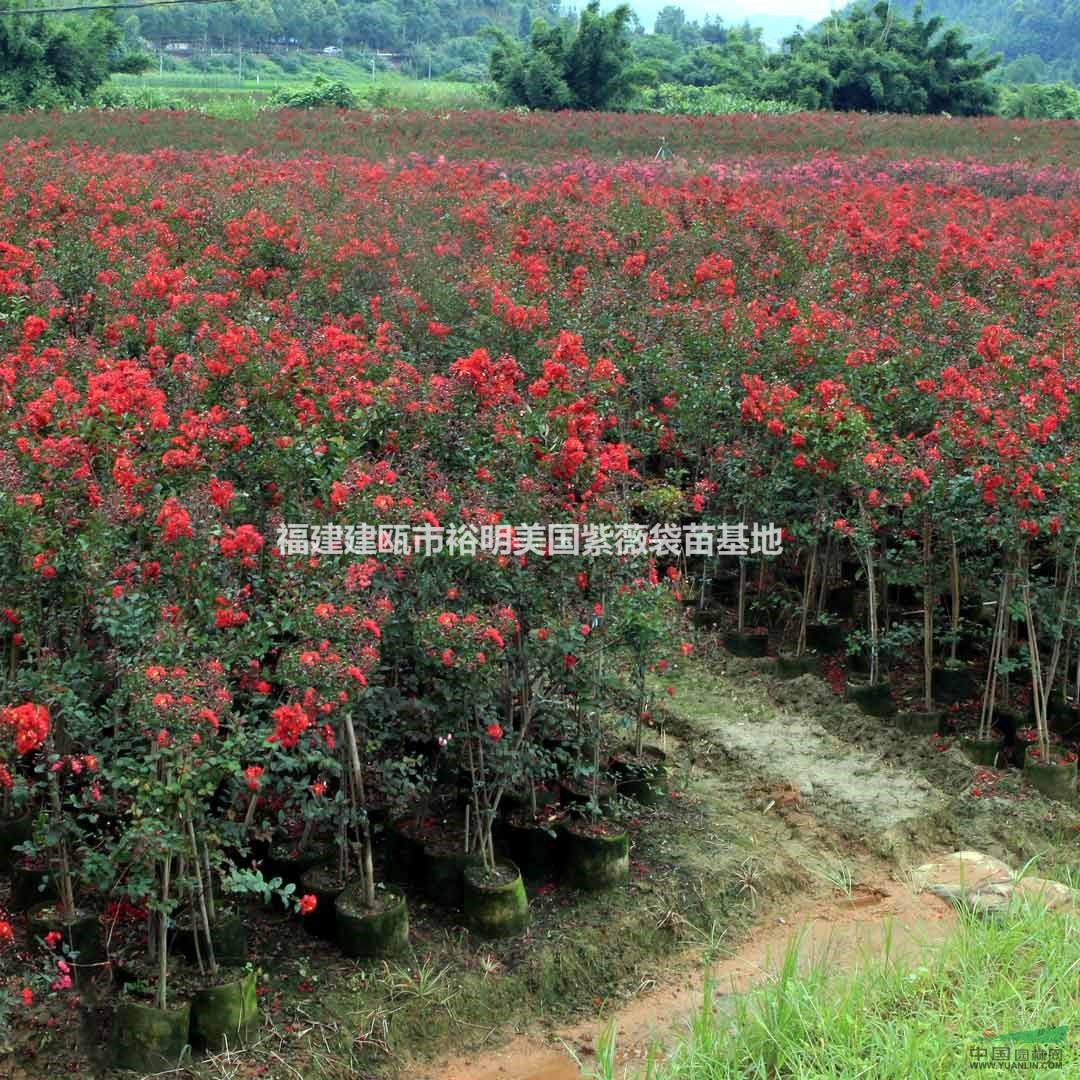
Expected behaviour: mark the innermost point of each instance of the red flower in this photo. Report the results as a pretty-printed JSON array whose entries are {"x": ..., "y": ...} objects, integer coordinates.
[
  {"x": 253, "y": 773},
  {"x": 30, "y": 723},
  {"x": 494, "y": 731},
  {"x": 291, "y": 722},
  {"x": 308, "y": 903},
  {"x": 175, "y": 520}
]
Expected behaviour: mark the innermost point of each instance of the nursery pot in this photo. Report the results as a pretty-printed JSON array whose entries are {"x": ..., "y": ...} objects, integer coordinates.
[
  {"x": 789, "y": 666},
  {"x": 1054, "y": 781},
  {"x": 981, "y": 751},
  {"x": 1061, "y": 717},
  {"x": 514, "y": 801},
  {"x": 920, "y": 722},
  {"x": 533, "y": 846},
  {"x": 372, "y": 932},
  {"x": 150, "y": 1040},
  {"x": 495, "y": 904},
  {"x": 323, "y": 883},
  {"x": 595, "y": 861},
  {"x": 874, "y": 699},
  {"x": 82, "y": 935},
  {"x": 577, "y": 793},
  {"x": 704, "y": 618},
  {"x": 13, "y": 831},
  {"x": 30, "y": 885},
  {"x": 950, "y": 685},
  {"x": 404, "y": 854},
  {"x": 643, "y": 778},
  {"x": 444, "y": 875},
  {"x": 289, "y": 863},
  {"x": 749, "y": 645},
  {"x": 224, "y": 1015},
  {"x": 858, "y": 663},
  {"x": 825, "y": 637},
  {"x": 228, "y": 936}
]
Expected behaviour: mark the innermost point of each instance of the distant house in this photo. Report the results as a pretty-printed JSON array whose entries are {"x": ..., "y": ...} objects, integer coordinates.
[
  {"x": 331, "y": 50},
  {"x": 178, "y": 47}
]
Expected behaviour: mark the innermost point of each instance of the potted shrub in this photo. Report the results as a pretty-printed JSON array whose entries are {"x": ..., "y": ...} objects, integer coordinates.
[
  {"x": 874, "y": 694},
  {"x": 473, "y": 648},
  {"x": 333, "y": 720},
  {"x": 1046, "y": 606},
  {"x": 176, "y": 743},
  {"x": 48, "y": 889},
  {"x": 596, "y": 851},
  {"x": 641, "y": 627},
  {"x": 984, "y": 749},
  {"x": 925, "y": 719}
]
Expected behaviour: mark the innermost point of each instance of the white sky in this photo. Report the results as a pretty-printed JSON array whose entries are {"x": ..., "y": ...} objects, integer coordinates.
[{"x": 735, "y": 11}]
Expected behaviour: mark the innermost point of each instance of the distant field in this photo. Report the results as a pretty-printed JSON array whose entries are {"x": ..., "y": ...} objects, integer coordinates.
[
  {"x": 219, "y": 92},
  {"x": 742, "y": 142}
]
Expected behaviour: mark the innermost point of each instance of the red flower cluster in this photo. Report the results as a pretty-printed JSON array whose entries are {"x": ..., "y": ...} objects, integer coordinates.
[{"x": 29, "y": 725}]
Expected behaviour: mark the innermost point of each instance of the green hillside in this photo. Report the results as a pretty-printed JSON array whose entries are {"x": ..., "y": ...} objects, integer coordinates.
[{"x": 1039, "y": 39}]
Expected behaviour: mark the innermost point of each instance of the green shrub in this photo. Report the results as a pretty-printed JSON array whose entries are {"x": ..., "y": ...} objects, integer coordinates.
[
  {"x": 671, "y": 99},
  {"x": 1041, "y": 101},
  {"x": 321, "y": 94},
  {"x": 137, "y": 97}
]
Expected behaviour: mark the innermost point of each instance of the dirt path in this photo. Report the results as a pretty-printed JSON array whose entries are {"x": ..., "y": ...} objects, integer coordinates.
[
  {"x": 781, "y": 739},
  {"x": 847, "y": 931}
]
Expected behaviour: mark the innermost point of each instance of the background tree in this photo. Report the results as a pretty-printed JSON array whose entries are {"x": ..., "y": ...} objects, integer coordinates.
[
  {"x": 49, "y": 62},
  {"x": 873, "y": 59},
  {"x": 590, "y": 67}
]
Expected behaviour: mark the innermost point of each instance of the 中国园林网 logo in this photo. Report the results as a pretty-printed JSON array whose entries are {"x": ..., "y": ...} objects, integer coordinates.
[{"x": 1020, "y": 1051}]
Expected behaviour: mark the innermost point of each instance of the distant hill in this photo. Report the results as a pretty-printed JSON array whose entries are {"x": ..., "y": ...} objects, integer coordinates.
[{"x": 1038, "y": 39}]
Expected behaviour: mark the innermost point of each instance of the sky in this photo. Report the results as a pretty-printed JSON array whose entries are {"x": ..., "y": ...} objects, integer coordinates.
[{"x": 735, "y": 11}]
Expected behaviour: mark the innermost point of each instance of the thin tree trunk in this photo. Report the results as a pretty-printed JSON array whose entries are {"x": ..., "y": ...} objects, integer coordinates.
[
  {"x": 826, "y": 566},
  {"x": 200, "y": 892},
  {"x": 211, "y": 903},
  {"x": 872, "y": 612},
  {"x": 367, "y": 870},
  {"x": 163, "y": 929},
  {"x": 996, "y": 644},
  {"x": 954, "y": 567},
  {"x": 66, "y": 888},
  {"x": 928, "y": 618},
  {"x": 808, "y": 592}
]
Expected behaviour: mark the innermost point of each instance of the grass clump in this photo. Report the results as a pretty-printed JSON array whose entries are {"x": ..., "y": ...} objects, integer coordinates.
[{"x": 917, "y": 1020}]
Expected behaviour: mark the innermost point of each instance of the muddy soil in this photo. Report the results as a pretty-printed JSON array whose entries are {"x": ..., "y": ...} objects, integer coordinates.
[{"x": 844, "y": 931}]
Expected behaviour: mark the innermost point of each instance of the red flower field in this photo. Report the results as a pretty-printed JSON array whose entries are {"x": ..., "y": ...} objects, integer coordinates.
[{"x": 862, "y": 330}]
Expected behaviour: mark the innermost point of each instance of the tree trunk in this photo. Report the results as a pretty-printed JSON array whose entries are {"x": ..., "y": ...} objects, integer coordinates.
[{"x": 928, "y": 617}]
